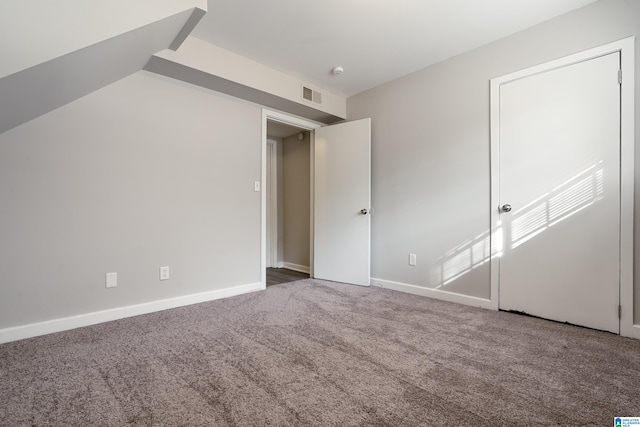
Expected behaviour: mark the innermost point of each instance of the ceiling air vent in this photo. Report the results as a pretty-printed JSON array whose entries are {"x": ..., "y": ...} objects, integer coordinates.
[{"x": 311, "y": 95}]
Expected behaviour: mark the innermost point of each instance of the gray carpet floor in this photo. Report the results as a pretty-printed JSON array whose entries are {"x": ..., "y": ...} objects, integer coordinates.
[{"x": 314, "y": 353}]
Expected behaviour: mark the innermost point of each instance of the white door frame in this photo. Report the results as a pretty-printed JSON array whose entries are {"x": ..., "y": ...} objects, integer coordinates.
[
  {"x": 272, "y": 184},
  {"x": 626, "y": 47},
  {"x": 301, "y": 123}
]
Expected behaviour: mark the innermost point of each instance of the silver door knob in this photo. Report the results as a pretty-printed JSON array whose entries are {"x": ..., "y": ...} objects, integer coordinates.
[
  {"x": 364, "y": 211},
  {"x": 506, "y": 208}
]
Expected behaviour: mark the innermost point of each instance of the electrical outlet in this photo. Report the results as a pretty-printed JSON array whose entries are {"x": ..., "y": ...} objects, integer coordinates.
[
  {"x": 256, "y": 185},
  {"x": 412, "y": 259},
  {"x": 111, "y": 280},
  {"x": 164, "y": 273}
]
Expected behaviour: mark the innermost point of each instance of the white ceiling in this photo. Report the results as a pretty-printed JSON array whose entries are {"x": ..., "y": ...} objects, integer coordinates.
[
  {"x": 374, "y": 40},
  {"x": 281, "y": 130}
]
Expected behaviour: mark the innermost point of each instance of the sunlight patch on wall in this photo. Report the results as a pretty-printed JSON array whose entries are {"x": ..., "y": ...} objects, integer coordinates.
[{"x": 567, "y": 199}]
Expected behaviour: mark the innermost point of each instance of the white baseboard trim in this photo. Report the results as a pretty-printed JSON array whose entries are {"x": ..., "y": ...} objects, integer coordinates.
[
  {"x": 433, "y": 293},
  {"x": 72, "y": 322},
  {"x": 631, "y": 331},
  {"x": 296, "y": 267}
]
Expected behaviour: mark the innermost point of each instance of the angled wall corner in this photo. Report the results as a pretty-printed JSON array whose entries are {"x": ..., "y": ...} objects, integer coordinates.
[
  {"x": 196, "y": 16},
  {"x": 39, "y": 31},
  {"x": 53, "y": 81},
  {"x": 206, "y": 65},
  {"x": 40, "y": 89}
]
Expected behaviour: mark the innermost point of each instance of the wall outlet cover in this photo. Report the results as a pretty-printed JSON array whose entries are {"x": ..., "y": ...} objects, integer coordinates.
[
  {"x": 111, "y": 280},
  {"x": 164, "y": 273}
]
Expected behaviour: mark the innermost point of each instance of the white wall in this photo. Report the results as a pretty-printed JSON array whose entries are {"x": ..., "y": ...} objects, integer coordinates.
[
  {"x": 213, "y": 67},
  {"x": 296, "y": 176},
  {"x": 146, "y": 172},
  {"x": 36, "y": 31},
  {"x": 430, "y": 149}
]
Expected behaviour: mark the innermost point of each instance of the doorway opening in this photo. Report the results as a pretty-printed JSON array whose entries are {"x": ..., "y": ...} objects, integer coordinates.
[
  {"x": 339, "y": 197},
  {"x": 287, "y": 205}
]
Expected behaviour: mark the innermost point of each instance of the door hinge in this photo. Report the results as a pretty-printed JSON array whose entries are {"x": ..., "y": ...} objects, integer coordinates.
[
  {"x": 619, "y": 77},
  {"x": 619, "y": 311}
]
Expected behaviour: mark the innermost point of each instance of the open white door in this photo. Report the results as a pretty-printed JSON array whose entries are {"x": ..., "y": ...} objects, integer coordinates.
[{"x": 342, "y": 202}]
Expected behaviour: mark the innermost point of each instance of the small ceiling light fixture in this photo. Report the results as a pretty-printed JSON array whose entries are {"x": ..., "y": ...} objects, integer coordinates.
[
  {"x": 300, "y": 136},
  {"x": 336, "y": 71}
]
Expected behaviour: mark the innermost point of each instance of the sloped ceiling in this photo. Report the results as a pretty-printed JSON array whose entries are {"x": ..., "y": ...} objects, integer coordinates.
[{"x": 77, "y": 48}]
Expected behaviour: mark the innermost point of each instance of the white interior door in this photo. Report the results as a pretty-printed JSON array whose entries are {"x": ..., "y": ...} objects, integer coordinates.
[
  {"x": 342, "y": 202},
  {"x": 559, "y": 162}
]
